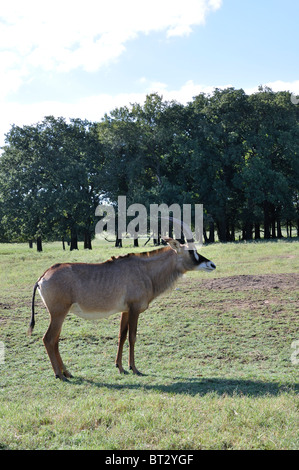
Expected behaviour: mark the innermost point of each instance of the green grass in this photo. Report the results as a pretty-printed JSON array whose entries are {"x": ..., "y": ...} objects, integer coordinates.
[{"x": 215, "y": 350}]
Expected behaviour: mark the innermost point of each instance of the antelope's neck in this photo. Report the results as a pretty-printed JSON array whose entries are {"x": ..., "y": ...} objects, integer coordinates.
[{"x": 163, "y": 271}]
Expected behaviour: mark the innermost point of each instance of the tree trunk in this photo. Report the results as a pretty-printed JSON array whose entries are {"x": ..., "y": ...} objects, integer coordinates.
[
  {"x": 273, "y": 231},
  {"x": 39, "y": 246},
  {"x": 205, "y": 237},
  {"x": 30, "y": 243},
  {"x": 87, "y": 241},
  {"x": 118, "y": 242},
  {"x": 232, "y": 233},
  {"x": 247, "y": 231},
  {"x": 221, "y": 229},
  {"x": 157, "y": 241},
  {"x": 279, "y": 232},
  {"x": 257, "y": 231},
  {"x": 170, "y": 229},
  {"x": 74, "y": 240},
  {"x": 212, "y": 233},
  {"x": 267, "y": 220}
]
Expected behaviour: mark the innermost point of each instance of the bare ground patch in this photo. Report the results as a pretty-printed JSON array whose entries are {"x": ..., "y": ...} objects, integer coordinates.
[
  {"x": 272, "y": 295},
  {"x": 289, "y": 281}
]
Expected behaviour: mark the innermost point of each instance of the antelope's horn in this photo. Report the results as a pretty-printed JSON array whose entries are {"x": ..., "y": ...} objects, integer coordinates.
[{"x": 186, "y": 229}]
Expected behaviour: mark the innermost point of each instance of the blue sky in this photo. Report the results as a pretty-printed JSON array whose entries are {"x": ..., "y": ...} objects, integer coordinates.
[{"x": 82, "y": 59}]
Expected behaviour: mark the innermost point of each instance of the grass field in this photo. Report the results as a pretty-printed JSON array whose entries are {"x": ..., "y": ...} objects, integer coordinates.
[{"x": 216, "y": 354}]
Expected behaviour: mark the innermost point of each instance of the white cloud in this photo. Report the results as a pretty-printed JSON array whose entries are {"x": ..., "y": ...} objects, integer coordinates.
[
  {"x": 278, "y": 85},
  {"x": 69, "y": 34},
  {"x": 94, "y": 107},
  {"x": 60, "y": 36},
  {"x": 188, "y": 91}
]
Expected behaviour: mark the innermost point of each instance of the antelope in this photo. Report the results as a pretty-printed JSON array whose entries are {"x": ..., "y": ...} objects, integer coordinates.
[{"x": 126, "y": 284}]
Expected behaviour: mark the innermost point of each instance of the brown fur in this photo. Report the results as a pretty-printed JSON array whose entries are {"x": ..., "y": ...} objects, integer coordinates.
[{"x": 124, "y": 284}]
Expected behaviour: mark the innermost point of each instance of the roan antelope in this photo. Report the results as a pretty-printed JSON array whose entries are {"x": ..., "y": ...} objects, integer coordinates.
[{"x": 126, "y": 284}]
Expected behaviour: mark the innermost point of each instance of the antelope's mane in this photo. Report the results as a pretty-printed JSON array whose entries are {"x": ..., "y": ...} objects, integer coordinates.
[{"x": 143, "y": 254}]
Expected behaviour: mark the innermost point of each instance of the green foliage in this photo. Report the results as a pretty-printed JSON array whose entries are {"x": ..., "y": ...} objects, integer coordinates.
[
  {"x": 236, "y": 154},
  {"x": 48, "y": 178}
]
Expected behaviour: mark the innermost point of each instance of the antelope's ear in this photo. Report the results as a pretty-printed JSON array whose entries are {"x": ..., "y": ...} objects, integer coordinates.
[{"x": 174, "y": 244}]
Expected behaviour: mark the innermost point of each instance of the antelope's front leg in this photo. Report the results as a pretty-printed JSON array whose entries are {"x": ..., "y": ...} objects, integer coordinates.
[
  {"x": 123, "y": 330},
  {"x": 133, "y": 320}
]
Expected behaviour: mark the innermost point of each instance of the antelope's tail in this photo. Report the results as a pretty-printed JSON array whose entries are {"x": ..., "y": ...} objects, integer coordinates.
[{"x": 32, "y": 321}]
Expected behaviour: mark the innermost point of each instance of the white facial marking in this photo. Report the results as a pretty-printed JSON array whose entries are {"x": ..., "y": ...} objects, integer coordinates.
[{"x": 206, "y": 266}]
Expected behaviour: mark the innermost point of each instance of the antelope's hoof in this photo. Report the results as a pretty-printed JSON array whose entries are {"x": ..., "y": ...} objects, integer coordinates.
[
  {"x": 62, "y": 377},
  {"x": 68, "y": 375},
  {"x": 121, "y": 370},
  {"x": 136, "y": 371}
]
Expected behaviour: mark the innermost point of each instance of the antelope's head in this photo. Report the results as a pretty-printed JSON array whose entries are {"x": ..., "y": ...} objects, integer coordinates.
[{"x": 188, "y": 257}]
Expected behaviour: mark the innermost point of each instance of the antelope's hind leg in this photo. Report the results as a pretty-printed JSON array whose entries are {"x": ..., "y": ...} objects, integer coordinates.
[
  {"x": 51, "y": 340},
  {"x": 128, "y": 322},
  {"x": 62, "y": 367},
  {"x": 133, "y": 320}
]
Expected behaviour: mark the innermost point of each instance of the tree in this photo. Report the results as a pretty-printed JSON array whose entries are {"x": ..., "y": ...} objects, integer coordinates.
[
  {"x": 236, "y": 154},
  {"x": 216, "y": 144},
  {"x": 271, "y": 166},
  {"x": 50, "y": 174},
  {"x": 138, "y": 143}
]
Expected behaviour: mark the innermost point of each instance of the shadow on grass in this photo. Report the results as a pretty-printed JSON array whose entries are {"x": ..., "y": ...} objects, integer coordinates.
[{"x": 201, "y": 387}]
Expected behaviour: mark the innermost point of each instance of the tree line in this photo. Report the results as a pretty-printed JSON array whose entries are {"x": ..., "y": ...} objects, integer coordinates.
[{"x": 236, "y": 154}]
